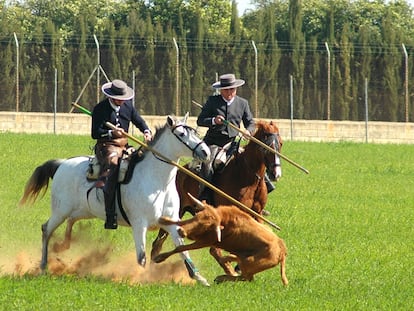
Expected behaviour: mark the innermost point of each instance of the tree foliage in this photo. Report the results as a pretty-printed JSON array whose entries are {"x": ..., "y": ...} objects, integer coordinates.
[{"x": 276, "y": 40}]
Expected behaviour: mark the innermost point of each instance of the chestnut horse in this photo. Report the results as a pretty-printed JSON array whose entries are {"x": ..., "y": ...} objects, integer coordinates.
[{"x": 242, "y": 178}]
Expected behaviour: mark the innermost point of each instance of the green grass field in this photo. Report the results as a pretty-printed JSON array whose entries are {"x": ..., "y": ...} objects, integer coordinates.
[{"x": 347, "y": 226}]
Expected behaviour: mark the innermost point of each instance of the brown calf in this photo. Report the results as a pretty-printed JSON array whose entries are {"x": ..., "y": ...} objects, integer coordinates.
[{"x": 252, "y": 245}]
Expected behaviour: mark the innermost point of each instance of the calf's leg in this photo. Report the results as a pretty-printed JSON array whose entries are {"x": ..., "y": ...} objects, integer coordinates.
[
  {"x": 265, "y": 259},
  {"x": 226, "y": 265}
]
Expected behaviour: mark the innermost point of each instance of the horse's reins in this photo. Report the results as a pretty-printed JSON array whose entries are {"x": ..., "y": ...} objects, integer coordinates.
[{"x": 272, "y": 140}]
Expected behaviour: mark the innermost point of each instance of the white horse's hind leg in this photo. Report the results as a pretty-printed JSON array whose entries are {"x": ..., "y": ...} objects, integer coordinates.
[
  {"x": 45, "y": 242},
  {"x": 47, "y": 230},
  {"x": 191, "y": 268},
  {"x": 140, "y": 233}
]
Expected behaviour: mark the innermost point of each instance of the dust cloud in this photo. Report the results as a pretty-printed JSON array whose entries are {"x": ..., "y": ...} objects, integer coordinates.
[{"x": 100, "y": 261}]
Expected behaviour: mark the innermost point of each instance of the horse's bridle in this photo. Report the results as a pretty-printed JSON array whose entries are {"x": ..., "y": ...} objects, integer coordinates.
[
  {"x": 179, "y": 137},
  {"x": 272, "y": 140}
]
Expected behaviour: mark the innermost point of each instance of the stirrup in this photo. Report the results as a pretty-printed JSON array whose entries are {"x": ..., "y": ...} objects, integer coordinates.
[
  {"x": 111, "y": 222},
  {"x": 269, "y": 185},
  {"x": 99, "y": 184}
]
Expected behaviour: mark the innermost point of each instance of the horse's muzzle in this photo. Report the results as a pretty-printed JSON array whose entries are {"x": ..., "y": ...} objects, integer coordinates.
[{"x": 202, "y": 152}]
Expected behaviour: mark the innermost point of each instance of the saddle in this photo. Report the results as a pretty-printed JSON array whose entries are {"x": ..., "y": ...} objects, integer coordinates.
[
  {"x": 130, "y": 157},
  {"x": 225, "y": 154},
  {"x": 221, "y": 157}
]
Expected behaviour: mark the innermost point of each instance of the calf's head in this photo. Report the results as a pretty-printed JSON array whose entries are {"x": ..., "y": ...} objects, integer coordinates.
[{"x": 205, "y": 225}]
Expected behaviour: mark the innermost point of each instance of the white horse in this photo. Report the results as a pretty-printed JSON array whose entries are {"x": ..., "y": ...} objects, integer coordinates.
[{"x": 150, "y": 194}]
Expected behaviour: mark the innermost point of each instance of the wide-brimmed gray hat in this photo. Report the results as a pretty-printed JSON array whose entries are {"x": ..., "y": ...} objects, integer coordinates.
[
  {"x": 228, "y": 81},
  {"x": 118, "y": 89}
]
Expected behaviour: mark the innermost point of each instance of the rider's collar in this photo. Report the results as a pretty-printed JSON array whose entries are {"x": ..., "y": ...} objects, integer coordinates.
[
  {"x": 229, "y": 102},
  {"x": 114, "y": 107}
]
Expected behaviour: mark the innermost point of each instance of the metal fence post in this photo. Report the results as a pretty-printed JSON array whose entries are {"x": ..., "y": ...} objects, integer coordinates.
[
  {"x": 55, "y": 102},
  {"x": 328, "y": 100},
  {"x": 17, "y": 72},
  {"x": 177, "y": 86},
  {"x": 291, "y": 105},
  {"x": 256, "y": 104},
  {"x": 406, "y": 82},
  {"x": 98, "y": 78},
  {"x": 366, "y": 110}
]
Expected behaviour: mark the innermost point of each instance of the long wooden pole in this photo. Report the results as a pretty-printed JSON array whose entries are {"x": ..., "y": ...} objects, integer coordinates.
[
  {"x": 83, "y": 109},
  {"x": 195, "y": 176},
  {"x": 260, "y": 143}
]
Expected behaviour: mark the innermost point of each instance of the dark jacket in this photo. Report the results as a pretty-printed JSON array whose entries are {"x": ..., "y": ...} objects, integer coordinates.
[
  {"x": 237, "y": 112},
  {"x": 103, "y": 112}
]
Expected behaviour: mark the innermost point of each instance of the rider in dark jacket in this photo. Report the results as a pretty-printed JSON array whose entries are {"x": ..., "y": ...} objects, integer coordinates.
[
  {"x": 226, "y": 106},
  {"x": 117, "y": 109}
]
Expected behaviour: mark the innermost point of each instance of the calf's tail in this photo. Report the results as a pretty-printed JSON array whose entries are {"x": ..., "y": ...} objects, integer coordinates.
[{"x": 39, "y": 181}]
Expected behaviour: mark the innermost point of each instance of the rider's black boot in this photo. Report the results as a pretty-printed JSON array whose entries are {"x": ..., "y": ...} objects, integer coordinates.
[
  {"x": 109, "y": 196},
  {"x": 269, "y": 185},
  {"x": 206, "y": 193}
]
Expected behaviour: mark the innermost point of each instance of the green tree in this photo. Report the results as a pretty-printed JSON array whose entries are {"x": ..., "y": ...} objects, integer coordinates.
[
  {"x": 297, "y": 42},
  {"x": 197, "y": 64},
  {"x": 392, "y": 72},
  {"x": 343, "y": 93}
]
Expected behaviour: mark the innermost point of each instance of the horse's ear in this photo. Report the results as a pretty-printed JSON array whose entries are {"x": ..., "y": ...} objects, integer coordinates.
[
  {"x": 185, "y": 117},
  {"x": 170, "y": 121}
]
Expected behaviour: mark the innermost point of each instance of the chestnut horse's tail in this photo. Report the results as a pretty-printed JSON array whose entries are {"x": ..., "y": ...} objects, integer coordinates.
[{"x": 39, "y": 180}]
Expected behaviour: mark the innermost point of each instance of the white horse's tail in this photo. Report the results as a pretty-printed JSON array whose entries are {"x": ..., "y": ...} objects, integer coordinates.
[{"x": 39, "y": 180}]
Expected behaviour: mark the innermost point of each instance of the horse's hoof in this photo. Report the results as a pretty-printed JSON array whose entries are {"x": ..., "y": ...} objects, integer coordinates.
[
  {"x": 265, "y": 213},
  {"x": 237, "y": 269},
  {"x": 43, "y": 266},
  {"x": 200, "y": 279},
  {"x": 142, "y": 260}
]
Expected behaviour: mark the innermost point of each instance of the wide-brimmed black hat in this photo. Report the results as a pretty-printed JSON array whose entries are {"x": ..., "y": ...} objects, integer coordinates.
[
  {"x": 228, "y": 81},
  {"x": 118, "y": 89}
]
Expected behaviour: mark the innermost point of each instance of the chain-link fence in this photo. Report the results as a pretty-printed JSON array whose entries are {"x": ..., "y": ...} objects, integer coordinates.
[{"x": 317, "y": 83}]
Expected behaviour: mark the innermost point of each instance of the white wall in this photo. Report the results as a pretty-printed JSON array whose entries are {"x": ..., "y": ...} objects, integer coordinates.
[{"x": 301, "y": 130}]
